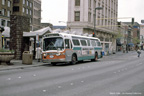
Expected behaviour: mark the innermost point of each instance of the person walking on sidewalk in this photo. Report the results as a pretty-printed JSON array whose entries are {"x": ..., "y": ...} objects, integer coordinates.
[
  {"x": 38, "y": 53},
  {"x": 139, "y": 52}
]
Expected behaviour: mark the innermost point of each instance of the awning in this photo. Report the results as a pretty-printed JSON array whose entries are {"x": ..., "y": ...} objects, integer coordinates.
[{"x": 39, "y": 32}]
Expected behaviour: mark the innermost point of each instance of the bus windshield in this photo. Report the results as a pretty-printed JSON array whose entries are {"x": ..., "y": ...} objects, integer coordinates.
[{"x": 53, "y": 43}]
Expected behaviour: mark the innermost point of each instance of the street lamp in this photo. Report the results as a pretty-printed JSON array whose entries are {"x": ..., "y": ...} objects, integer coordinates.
[{"x": 97, "y": 8}]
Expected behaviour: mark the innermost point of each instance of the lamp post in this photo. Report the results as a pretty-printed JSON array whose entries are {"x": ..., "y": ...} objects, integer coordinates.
[{"x": 97, "y": 8}]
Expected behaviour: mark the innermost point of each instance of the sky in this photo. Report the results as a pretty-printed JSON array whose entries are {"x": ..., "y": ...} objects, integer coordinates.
[{"x": 54, "y": 11}]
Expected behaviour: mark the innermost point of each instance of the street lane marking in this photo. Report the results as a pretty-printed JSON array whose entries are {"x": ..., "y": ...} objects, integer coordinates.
[
  {"x": 19, "y": 77},
  {"x": 44, "y": 90},
  {"x": 82, "y": 81},
  {"x": 59, "y": 87},
  {"x": 34, "y": 75},
  {"x": 72, "y": 84},
  {"x": 9, "y": 79},
  {"x": 115, "y": 72}
]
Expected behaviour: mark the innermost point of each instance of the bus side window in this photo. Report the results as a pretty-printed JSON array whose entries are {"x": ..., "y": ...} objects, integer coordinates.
[
  {"x": 99, "y": 44},
  {"x": 93, "y": 43},
  {"x": 67, "y": 44},
  {"x": 83, "y": 42},
  {"x": 76, "y": 42},
  {"x": 88, "y": 41}
]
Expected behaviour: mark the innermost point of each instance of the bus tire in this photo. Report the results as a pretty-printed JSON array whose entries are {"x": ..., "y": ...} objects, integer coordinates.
[
  {"x": 53, "y": 64},
  {"x": 74, "y": 59},
  {"x": 96, "y": 57}
]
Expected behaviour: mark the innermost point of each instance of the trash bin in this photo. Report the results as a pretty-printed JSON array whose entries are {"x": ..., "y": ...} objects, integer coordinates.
[
  {"x": 27, "y": 58},
  {"x": 103, "y": 53}
]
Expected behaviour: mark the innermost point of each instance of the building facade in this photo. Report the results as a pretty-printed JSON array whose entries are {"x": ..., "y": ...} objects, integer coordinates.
[
  {"x": 36, "y": 15},
  {"x": 6, "y": 7},
  {"x": 28, "y": 8},
  {"x": 142, "y": 33},
  {"x": 81, "y": 15}
]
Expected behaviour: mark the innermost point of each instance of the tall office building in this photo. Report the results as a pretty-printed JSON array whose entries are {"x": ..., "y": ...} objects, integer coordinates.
[
  {"x": 36, "y": 14},
  {"x": 81, "y": 15},
  {"x": 28, "y": 8},
  {"x": 5, "y": 11}
]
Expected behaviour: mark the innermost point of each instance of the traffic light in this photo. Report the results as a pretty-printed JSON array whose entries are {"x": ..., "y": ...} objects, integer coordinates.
[
  {"x": 132, "y": 21},
  {"x": 93, "y": 34},
  {"x": 1, "y": 29}
]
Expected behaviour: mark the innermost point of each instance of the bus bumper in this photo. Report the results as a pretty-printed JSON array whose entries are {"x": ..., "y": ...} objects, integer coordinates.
[{"x": 54, "y": 60}]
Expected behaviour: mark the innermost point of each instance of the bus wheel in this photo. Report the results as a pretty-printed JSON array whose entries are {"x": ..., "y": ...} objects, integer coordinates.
[
  {"x": 53, "y": 64},
  {"x": 74, "y": 60}
]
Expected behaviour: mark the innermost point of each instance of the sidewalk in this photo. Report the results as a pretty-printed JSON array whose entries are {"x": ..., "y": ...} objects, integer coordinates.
[{"x": 17, "y": 64}]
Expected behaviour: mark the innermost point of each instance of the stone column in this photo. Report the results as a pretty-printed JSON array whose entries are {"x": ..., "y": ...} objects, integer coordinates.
[{"x": 19, "y": 24}]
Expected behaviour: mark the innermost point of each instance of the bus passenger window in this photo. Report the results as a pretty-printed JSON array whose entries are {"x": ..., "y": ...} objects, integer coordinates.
[
  {"x": 98, "y": 43},
  {"x": 88, "y": 41},
  {"x": 67, "y": 44},
  {"x": 93, "y": 43},
  {"x": 83, "y": 42},
  {"x": 76, "y": 42}
]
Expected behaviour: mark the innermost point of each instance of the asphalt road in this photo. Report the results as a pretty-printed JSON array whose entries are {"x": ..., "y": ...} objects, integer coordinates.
[{"x": 121, "y": 74}]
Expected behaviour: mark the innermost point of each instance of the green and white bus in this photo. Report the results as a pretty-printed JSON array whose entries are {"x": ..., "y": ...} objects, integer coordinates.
[{"x": 70, "y": 48}]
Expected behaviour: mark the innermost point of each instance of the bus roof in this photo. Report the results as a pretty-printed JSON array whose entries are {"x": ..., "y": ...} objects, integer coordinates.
[{"x": 69, "y": 35}]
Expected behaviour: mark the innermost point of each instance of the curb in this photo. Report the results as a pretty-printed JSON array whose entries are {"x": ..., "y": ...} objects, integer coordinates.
[{"x": 20, "y": 67}]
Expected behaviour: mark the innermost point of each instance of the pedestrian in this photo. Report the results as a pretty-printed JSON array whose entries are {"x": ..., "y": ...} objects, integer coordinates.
[
  {"x": 38, "y": 53},
  {"x": 139, "y": 52}
]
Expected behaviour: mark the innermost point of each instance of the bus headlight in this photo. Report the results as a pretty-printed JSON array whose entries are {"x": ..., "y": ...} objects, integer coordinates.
[
  {"x": 58, "y": 54},
  {"x": 44, "y": 54}
]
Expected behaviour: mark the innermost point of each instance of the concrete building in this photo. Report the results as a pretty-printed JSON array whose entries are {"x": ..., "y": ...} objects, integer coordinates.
[
  {"x": 28, "y": 8},
  {"x": 6, "y": 7},
  {"x": 36, "y": 15},
  {"x": 81, "y": 15},
  {"x": 142, "y": 33}
]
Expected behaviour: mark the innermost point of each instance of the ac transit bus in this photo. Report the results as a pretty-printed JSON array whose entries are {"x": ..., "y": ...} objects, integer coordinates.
[{"x": 70, "y": 48}]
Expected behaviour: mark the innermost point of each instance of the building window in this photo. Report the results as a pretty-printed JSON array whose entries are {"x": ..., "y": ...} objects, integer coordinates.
[
  {"x": 16, "y": 1},
  {"x": 30, "y": 4},
  {"x": 89, "y": 16},
  {"x": 3, "y": 2},
  {"x": 89, "y": 1},
  {"x": 30, "y": 12},
  {"x": 77, "y": 15},
  {"x": 26, "y": 11},
  {"x": 30, "y": 20},
  {"x": 8, "y": 13},
  {"x": 8, "y": 23},
  {"x": 9, "y": 3},
  {"x": 16, "y": 9},
  {"x": 77, "y": 2},
  {"x": 3, "y": 11},
  {"x": 23, "y": 9},
  {"x": 23, "y": 1},
  {"x": 3, "y": 22},
  {"x": 27, "y": 3}
]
